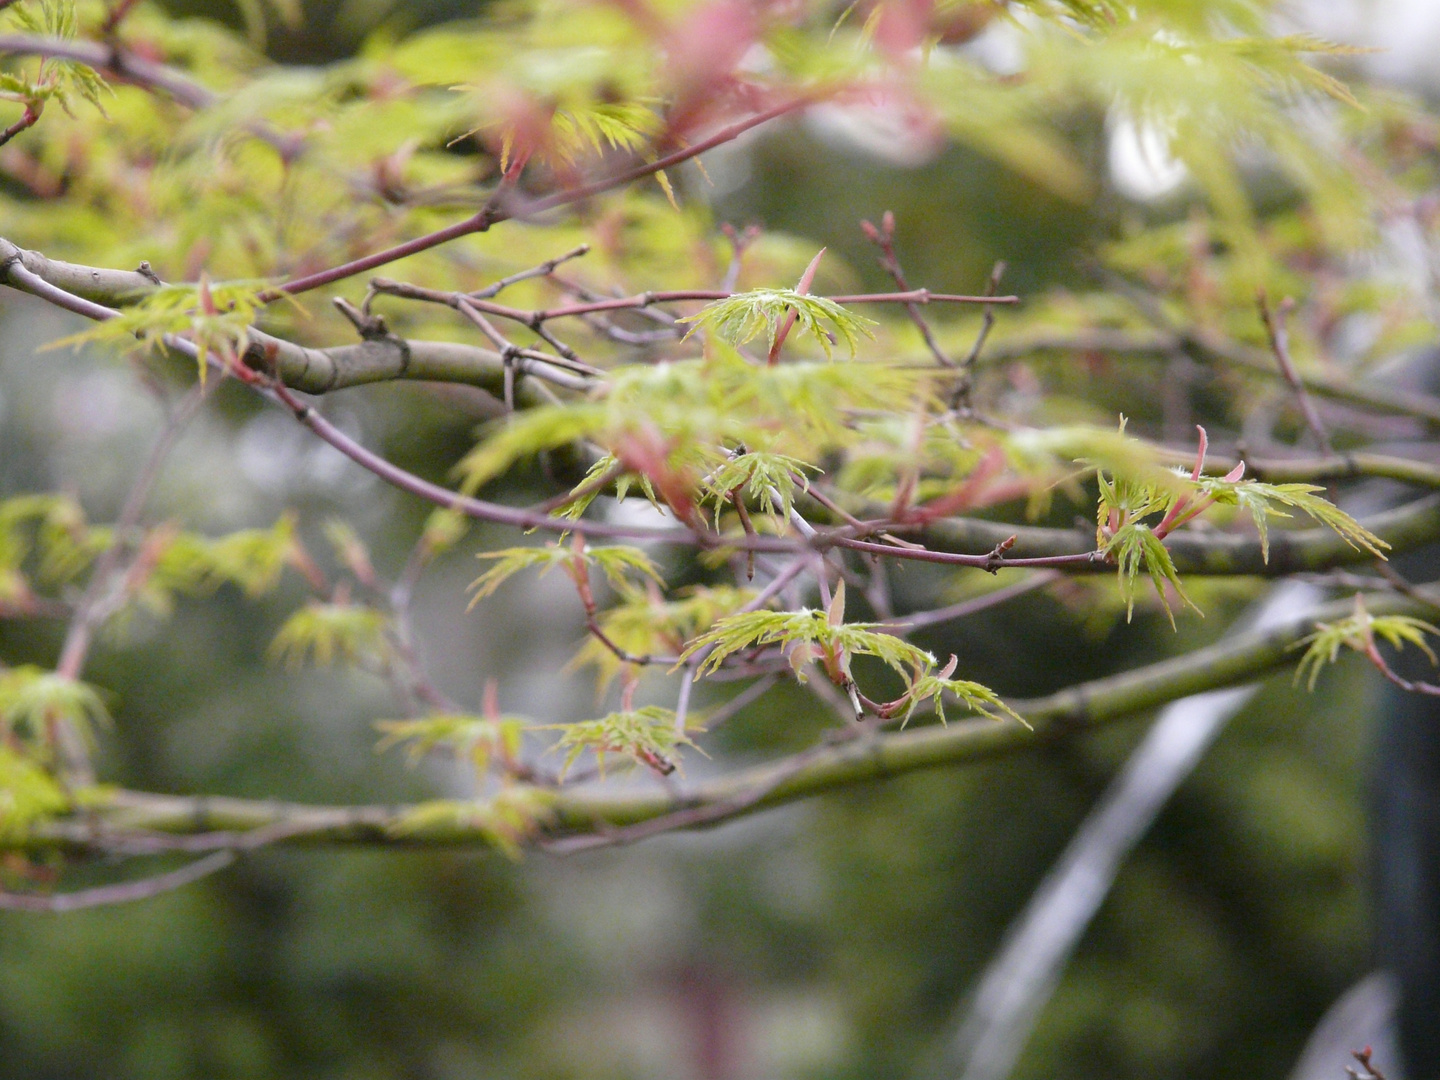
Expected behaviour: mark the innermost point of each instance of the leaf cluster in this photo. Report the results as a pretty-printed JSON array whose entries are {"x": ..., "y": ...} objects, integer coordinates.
[
  {"x": 767, "y": 480},
  {"x": 326, "y": 633},
  {"x": 251, "y": 559},
  {"x": 691, "y": 410},
  {"x": 28, "y": 794},
  {"x": 1127, "y": 537},
  {"x": 647, "y": 736},
  {"x": 36, "y": 703},
  {"x": 975, "y": 697},
  {"x": 805, "y": 636},
  {"x": 741, "y": 318},
  {"x": 56, "y": 79},
  {"x": 479, "y": 740},
  {"x": 54, "y": 527},
  {"x": 1261, "y": 500},
  {"x": 1358, "y": 633},
  {"x": 216, "y": 317},
  {"x": 622, "y": 565},
  {"x": 508, "y": 819}
]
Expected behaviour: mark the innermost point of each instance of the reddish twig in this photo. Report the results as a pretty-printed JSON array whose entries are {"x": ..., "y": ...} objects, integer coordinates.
[
  {"x": 883, "y": 238},
  {"x": 1371, "y": 1072},
  {"x": 27, "y": 120},
  {"x": 493, "y": 213},
  {"x": 534, "y": 318},
  {"x": 1372, "y": 653},
  {"x": 992, "y": 563}
]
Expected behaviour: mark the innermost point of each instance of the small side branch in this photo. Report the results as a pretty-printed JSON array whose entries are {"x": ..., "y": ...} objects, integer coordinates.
[
  {"x": 125, "y": 893},
  {"x": 27, "y": 120},
  {"x": 884, "y": 238},
  {"x": 960, "y": 399},
  {"x": 1280, "y": 345}
]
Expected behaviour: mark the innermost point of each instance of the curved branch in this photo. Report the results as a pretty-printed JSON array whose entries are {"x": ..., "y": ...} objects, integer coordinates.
[
  {"x": 313, "y": 371},
  {"x": 1238, "y": 658},
  {"x": 493, "y": 213},
  {"x": 113, "y": 61},
  {"x": 122, "y": 65},
  {"x": 321, "y": 370},
  {"x": 1209, "y": 350},
  {"x": 122, "y": 893}
]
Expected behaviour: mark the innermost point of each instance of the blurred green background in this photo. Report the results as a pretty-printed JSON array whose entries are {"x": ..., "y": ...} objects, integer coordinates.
[{"x": 831, "y": 939}]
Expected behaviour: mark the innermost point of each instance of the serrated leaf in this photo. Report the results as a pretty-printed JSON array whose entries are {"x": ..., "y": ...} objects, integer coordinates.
[
  {"x": 743, "y": 317},
  {"x": 621, "y": 564},
  {"x": 34, "y": 703},
  {"x": 1358, "y": 633},
  {"x": 1135, "y": 547},
  {"x": 326, "y": 633},
  {"x": 646, "y": 736},
  {"x": 792, "y": 629},
  {"x": 216, "y": 317},
  {"x": 476, "y": 739}
]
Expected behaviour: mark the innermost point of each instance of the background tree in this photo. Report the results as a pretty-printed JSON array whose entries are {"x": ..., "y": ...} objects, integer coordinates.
[{"x": 833, "y": 505}]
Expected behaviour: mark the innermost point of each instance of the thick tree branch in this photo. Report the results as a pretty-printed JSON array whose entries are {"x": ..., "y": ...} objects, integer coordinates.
[
  {"x": 314, "y": 371},
  {"x": 225, "y": 822}
]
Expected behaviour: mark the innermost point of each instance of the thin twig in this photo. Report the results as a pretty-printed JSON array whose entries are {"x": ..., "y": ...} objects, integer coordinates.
[
  {"x": 739, "y": 242},
  {"x": 1371, "y": 1072},
  {"x": 125, "y": 893},
  {"x": 545, "y": 269},
  {"x": 1280, "y": 346},
  {"x": 493, "y": 213},
  {"x": 692, "y": 817},
  {"x": 883, "y": 238},
  {"x": 91, "y": 609},
  {"x": 1372, "y": 652},
  {"x": 972, "y": 606},
  {"x": 642, "y": 301},
  {"x": 27, "y": 120},
  {"x": 960, "y": 399},
  {"x": 96, "y": 604}
]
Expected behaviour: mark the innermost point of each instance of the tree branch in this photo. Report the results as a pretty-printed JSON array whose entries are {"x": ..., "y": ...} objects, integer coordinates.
[
  {"x": 962, "y": 541},
  {"x": 1207, "y": 349},
  {"x": 123, "y": 893},
  {"x": 1077, "y": 709},
  {"x": 114, "y": 62}
]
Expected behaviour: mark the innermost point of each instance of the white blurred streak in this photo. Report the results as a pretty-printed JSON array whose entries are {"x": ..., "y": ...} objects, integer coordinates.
[
  {"x": 1023, "y": 976},
  {"x": 1141, "y": 165}
]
